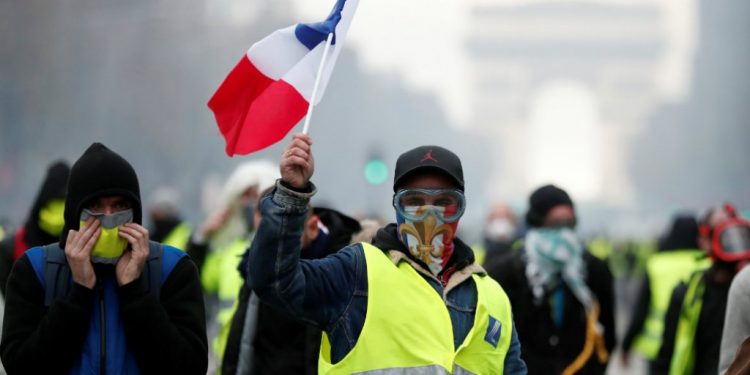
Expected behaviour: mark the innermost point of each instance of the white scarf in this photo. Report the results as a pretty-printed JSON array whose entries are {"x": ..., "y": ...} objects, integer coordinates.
[{"x": 554, "y": 254}]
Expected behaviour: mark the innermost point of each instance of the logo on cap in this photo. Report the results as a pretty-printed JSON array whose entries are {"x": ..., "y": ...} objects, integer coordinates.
[{"x": 427, "y": 157}]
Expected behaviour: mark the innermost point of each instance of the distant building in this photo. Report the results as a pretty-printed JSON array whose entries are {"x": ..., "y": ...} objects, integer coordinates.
[{"x": 563, "y": 86}]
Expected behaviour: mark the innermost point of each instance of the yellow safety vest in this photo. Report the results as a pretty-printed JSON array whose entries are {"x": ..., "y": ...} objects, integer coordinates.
[
  {"x": 480, "y": 253},
  {"x": 665, "y": 270},
  {"x": 683, "y": 357},
  {"x": 220, "y": 276},
  {"x": 408, "y": 328},
  {"x": 601, "y": 248},
  {"x": 178, "y": 237}
]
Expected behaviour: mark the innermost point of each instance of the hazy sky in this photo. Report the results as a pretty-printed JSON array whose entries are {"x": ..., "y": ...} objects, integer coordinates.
[{"x": 422, "y": 42}]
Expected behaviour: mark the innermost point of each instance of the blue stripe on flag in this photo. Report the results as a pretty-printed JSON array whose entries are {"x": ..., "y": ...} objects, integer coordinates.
[{"x": 311, "y": 34}]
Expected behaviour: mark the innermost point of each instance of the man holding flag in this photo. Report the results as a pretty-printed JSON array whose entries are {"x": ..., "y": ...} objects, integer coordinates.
[{"x": 413, "y": 301}]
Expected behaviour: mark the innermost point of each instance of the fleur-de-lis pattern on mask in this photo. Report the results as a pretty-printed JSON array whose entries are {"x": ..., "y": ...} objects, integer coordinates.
[{"x": 425, "y": 233}]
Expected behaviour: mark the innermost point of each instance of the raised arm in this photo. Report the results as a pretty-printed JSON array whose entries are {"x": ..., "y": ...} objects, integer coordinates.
[{"x": 316, "y": 291}]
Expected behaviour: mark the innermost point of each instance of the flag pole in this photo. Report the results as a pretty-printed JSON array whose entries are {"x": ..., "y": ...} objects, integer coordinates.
[{"x": 329, "y": 40}]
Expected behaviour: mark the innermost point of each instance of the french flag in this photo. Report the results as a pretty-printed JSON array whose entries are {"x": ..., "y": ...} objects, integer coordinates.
[{"x": 270, "y": 89}]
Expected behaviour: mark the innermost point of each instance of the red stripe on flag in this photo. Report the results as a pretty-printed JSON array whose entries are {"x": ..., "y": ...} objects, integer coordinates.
[
  {"x": 232, "y": 99},
  {"x": 270, "y": 118},
  {"x": 254, "y": 111}
]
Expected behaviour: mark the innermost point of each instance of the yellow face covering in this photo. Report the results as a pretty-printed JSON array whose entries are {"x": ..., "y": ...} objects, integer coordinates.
[
  {"x": 51, "y": 218},
  {"x": 110, "y": 246}
]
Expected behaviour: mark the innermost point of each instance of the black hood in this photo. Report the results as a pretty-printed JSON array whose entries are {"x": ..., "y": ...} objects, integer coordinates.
[
  {"x": 682, "y": 235},
  {"x": 97, "y": 173},
  {"x": 387, "y": 239},
  {"x": 53, "y": 187},
  {"x": 341, "y": 228}
]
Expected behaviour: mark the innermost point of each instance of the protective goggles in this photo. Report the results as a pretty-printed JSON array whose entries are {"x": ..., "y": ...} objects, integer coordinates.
[
  {"x": 417, "y": 204},
  {"x": 109, "y": 221},
  {"x": 730, "y": 240}
]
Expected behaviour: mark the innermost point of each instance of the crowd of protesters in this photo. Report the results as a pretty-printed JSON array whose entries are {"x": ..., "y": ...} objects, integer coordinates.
[{"x": 270, "y": 283}]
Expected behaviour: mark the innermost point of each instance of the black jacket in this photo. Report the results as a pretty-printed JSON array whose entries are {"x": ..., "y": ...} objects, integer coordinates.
[
  {"x": 546, "y": 348},
  {"x": 167, "y": 336},
  {"x": 707, "y": 333},
  {"x": 6, "y": 260}
]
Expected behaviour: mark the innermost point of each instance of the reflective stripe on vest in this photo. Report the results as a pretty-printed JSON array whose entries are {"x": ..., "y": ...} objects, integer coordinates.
[
  {"x": 683, "y": 357},
  {"x": 408, "y": 329},
  {"x": 664, "y": 271},
  {"x": 178, "y": 237}
]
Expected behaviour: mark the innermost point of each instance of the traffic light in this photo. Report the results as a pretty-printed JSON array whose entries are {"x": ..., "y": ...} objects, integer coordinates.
[{"x": 376, "y": 171}]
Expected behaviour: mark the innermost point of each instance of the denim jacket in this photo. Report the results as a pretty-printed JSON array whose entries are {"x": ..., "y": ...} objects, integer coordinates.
[{"x": 331, "y": 293}]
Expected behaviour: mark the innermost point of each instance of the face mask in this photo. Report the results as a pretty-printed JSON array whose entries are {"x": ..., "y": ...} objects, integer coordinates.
[
  {"x": 730, "y": 241},
  {"x": 110, "y": 246},
  {"x": 500, "y": 229},
  {"x": 430, "y": 239},
  {"x": 427, "y": 222},
  {"x": 554, "y": 255},
  {"x": 51, "y": 218}
]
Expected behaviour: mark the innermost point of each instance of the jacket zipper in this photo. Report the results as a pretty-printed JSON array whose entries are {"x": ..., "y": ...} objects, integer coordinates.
[{"x": 102, "y": 336}]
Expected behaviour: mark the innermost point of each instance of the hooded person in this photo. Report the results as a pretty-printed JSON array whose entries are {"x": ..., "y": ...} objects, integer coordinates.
[
  {"x": 44, "y": 222},
  {"x": 412, "y": 301},
  {"x": 562, "y": 296},
  {"x": 104, "y": 299},
  {"x": 222, "y": 239}
]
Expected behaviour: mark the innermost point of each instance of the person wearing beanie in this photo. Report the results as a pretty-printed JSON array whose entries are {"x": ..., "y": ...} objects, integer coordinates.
[
  {"x": 43, "y": 224},
  {"x": 562, "y": 296},
  {"x": 104, "y": 299},
  {"x": 412, "y": 301}
]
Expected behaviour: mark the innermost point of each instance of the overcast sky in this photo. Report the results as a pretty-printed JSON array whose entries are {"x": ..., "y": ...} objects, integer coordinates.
[{"x": 422, "y": 42}]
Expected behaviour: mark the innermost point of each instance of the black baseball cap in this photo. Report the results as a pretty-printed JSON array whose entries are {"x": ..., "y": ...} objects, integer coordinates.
[{"x": 428, "y": 158}]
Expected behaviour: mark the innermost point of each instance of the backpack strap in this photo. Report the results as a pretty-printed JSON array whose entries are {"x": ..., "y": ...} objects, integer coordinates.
[
  {"x": 51, "y": 268},
  {"x": 170, "y": 257},
  {"x": 151, "y": 276},
  {"x": 36, "y": 258},
  {"x": 161, "y": 261},
  {"x": 57, "y": 275}
]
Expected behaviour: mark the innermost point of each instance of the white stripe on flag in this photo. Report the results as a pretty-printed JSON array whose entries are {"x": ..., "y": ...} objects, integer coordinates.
[{"x": 276, "y": 54}]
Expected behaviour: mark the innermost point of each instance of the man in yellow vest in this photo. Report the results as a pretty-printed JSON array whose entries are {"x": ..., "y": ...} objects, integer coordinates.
[
  {"x": 694, "y": 320},
  {"x": 412, "y": 302},
  {"x": 678, "y": 257}
]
